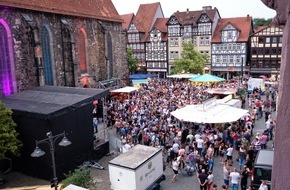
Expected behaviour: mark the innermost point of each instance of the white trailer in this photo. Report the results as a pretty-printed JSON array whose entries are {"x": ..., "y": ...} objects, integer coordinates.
[
  {"x": 255, "y": 83},
  {"x": 140, "y": 168}
]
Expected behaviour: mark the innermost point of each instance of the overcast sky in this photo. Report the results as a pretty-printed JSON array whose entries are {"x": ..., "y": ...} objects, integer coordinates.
[{"x": 227, "y": 8}]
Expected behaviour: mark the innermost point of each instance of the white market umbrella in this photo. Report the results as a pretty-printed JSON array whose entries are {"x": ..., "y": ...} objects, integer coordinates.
[{"x": 214, "y": 114}]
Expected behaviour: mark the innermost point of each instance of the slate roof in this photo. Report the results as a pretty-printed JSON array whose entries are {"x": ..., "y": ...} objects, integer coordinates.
[
  {"x": 127, "y": 19},
  {"x": 97, "y": 9},
  {"x": 243, "y": 24},
  {"x": 191, "y": 17}
]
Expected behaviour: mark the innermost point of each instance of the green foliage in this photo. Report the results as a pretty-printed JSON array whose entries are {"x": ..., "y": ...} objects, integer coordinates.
[
  {"x": 132, "y": 61},
  {"x": 261, "y": 22},
  {"x": 80, "y": 177},
  {"x": 191, "y": 61},
  {"x": 9, "y": 144}
]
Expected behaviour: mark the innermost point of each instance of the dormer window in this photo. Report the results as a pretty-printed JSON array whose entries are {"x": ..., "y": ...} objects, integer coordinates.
[{"x": 230, "y": 34}]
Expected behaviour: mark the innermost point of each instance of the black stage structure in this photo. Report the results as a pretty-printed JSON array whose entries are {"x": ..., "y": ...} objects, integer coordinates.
[{"x": 56, "y": 109}]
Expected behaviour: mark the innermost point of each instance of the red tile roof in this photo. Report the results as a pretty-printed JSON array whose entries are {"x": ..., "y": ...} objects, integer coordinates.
[
  {"x": 160, "y": 24},
  {"x": 243, "y": 24},
  {"x": 97, "y": 9},
  {"x": 260, "y": 28},
  {"x": 127, "y": 19},
  {"x": 145, "y": 16},
  {"x": 191, "y": 17}
]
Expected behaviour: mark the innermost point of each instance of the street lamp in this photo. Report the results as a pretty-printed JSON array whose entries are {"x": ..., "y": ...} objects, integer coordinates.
[{"x": 50, "y": 140}]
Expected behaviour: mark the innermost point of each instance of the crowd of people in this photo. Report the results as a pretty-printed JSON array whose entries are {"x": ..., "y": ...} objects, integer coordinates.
[{"x": 145, "y": 118}]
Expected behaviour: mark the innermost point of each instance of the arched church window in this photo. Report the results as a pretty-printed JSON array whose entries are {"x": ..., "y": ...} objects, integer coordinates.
[
  {"x": 7, "y": 77},
  {"x": 82, "y": 51},
  {"x": 46, "y": 55}
]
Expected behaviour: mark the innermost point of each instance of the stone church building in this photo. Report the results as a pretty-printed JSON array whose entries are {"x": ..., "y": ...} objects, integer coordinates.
[{"x": 61, "y": 43}]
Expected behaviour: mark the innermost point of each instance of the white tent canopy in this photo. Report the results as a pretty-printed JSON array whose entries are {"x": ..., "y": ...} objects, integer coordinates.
[
  {"x": 182, "y": 76},
  {"x": 127, "y": 89},
  {"x": 213, "y": 114}
]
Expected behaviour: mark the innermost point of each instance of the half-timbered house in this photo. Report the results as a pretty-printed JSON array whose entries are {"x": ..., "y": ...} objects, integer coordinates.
[
  {"x": 230, "y": 52},
  {"x": 156, "y": 49},
  {"x": 266, "y": 48},
  {"x": 195, "y": 26},
  {"x": 138, "y": 31}
]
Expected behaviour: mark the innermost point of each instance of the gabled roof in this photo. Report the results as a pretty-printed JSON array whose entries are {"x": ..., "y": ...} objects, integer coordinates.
[
  {"x": 261, "y": 28},
  {"x": 232, "y": 24},
  {"x": 127, "y": 19},
  {"x": 145, "y": 17},
  {"x": 191, "y": 17},
  {"x": 97, "y": 9},
  {"x": 160, "y": 24},
  {"x": 243, "y": 24}
]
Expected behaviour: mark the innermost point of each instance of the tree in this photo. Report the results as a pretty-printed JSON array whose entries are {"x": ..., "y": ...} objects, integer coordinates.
[
  {"x": 191, "y": 61},
  {"x": 132, "y": 61},
  {"x": 261, "y": 22},
  {"x": 9, "y": 144},
  {"x": 80, "y": 177}
]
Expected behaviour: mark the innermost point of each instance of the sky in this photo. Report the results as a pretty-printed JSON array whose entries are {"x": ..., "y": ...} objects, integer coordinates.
[{"x": 227, "y": 8}]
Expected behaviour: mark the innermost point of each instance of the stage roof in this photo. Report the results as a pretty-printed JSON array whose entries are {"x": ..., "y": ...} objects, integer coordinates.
[{"x": 51, "y": 101}]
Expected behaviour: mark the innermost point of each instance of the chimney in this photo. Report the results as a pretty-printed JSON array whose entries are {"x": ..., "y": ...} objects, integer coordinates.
[
  {"x": 187, "y": 10},
  {"x": 177, "y": 11},
  {"x": 206, "y": 8}
]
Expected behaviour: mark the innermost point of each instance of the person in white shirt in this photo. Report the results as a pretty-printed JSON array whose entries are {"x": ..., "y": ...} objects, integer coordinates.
[
  {"x": 175, "y": 166},
  {"x": 210, "y": 180},
  {"x": 263, "y": 186},
  {"x": 199, "y": 145},
  {"x": 234, "y": 178},
  {"x": 230, "y": 154}
]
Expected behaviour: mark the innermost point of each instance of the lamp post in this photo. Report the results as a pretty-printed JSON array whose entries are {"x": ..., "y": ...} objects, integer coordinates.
[{"x": 50, "y": 140}]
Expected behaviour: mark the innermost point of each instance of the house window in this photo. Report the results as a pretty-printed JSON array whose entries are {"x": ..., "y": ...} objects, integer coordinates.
[
  {"x": 218, "y": 59},
  {"x": 82, "y": 51},
  {"x": 194, "y": 41},
  {"x": 238, "y": 46},
  {"x": 174, "y": 55},
  {"x": 261, "y": 40},
  {"x": 280, "y": 39},
  {"x": 207, "y": 41},
  {"x": 46, "y": 56},
  {"x": 274, "y": 40},
  {"x": 6, "y": 60},
  {"x": 224, "y": 59},
  {"x": 267, "y": 40},
  {"x": 234, "y": 46},
  {"x": 174, "y": 42},
  {"x": 254, "y": 51},
  {"x": 230, "y": 34},
  {"x": 238, "y": 59},
  {"x": 201, "y": 41},
  {"x": 231, "y": 59}
]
